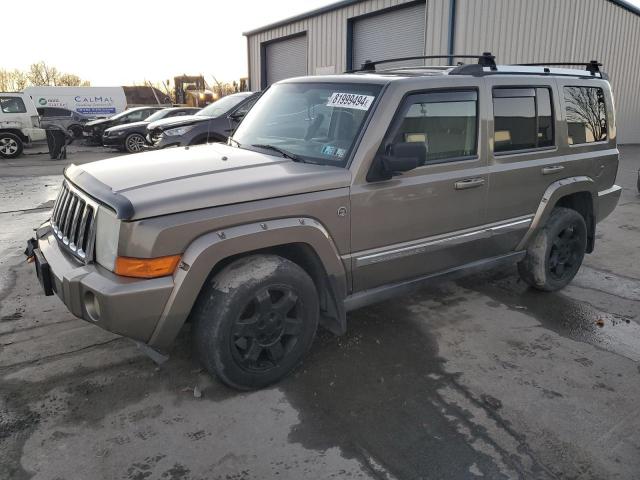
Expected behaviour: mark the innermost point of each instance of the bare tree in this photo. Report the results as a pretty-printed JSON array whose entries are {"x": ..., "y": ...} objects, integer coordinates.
[
  {"x": 41, "y": 74},
  {"x": 586, "y": 106},
  {"x": 71, "y": 80},
  {"x": 12, "y": 80}
]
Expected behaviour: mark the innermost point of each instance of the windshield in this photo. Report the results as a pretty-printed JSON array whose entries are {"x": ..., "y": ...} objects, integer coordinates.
[
  {"x": 317, "y": 122},
  {"x": 221, "y": 106}
]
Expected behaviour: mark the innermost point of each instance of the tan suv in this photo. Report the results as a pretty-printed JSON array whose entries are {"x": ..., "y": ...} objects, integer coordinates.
[{"x": 333, "y": 193}]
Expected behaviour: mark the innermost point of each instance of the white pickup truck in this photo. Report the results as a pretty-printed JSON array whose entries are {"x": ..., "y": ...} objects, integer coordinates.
[{"x": 19, "y": 124}]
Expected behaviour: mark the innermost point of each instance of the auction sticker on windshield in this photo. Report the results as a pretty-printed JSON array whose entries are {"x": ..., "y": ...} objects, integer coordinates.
[{"x": 350, "y": 100}]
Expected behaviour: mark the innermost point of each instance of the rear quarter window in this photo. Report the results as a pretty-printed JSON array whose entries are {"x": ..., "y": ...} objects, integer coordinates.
[{"x": 586, "y": 114}]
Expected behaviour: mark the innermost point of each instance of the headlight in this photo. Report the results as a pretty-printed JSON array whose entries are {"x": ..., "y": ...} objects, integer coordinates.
[
  {"x": 107, "y": 233},
  {"x": 119, "y": 133},
  {"x": 178, "y": 131}
]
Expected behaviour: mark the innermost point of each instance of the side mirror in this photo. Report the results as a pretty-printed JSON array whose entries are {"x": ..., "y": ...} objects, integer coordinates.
[{"x": 402, "y": 157}]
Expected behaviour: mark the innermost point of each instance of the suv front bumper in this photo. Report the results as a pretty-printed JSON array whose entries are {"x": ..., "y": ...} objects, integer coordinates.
[{"x": 127, "y": 306}]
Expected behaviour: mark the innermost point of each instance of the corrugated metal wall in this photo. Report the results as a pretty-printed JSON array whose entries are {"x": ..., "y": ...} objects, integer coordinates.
[
  {"x": 561, "y": 30},
  {"x": 327, "y": 35},
  {"x": 514, "y": 30}
]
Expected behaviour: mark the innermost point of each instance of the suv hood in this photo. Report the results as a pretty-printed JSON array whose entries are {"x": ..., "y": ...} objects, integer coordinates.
[
  {"x": 179, "y": 179},
  {"x": 165, "y": 123}
]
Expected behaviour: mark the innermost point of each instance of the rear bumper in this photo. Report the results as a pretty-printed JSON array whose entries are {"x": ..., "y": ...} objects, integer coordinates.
[
  {"x": 607, "y": 201},
  {"x": 126, "y": 306}
]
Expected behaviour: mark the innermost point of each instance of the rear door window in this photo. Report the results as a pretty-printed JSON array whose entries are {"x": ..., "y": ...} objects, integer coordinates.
[
  {"x": 523, "y": 119},
  {"x": 12, "y": 105},
  {"x": 586, "y": 114}
]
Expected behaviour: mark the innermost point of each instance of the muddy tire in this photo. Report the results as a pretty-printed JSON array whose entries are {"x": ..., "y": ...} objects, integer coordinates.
[
  {"x": 255, "y": 320},
  {"x": 11, "y": 145},
  {"x": 556, "y": 252}
]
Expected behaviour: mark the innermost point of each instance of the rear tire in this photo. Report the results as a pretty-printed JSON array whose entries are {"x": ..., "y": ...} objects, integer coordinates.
[
  {"x": 11, "y": 145},
  {"x": 255, "y": 320},
  {"x": 556, "y": 252}
]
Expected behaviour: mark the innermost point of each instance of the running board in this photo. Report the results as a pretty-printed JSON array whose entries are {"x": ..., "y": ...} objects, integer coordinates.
[{"x": 385, "y": 292}]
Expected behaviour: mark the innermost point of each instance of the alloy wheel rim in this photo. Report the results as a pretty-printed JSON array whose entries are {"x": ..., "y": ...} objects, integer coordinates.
[
  {"x": 8, "y": 146},
  {"x": 564, "y": 253},
  {"x": 135, "y": 143},
  {"x": 268, "y": 329}
]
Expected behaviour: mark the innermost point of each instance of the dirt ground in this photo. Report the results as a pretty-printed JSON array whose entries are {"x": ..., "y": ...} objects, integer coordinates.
[{"x": 479, "y": 378}]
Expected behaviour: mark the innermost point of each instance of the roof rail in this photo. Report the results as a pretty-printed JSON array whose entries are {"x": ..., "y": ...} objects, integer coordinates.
[
  {"x": 485, "y": 60},
  {"x": 592, "y": 66}
]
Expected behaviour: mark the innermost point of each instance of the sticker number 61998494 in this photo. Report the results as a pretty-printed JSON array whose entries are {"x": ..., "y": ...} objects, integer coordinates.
[{"x": 350, "y": 100}]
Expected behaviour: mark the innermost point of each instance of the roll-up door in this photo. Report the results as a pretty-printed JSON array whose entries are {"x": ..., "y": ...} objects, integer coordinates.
[
  {"x": 396, "y": 33},
  {"x": 285, "y": 58}
]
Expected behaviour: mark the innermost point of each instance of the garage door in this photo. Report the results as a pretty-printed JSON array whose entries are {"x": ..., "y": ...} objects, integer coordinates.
[
  {"x": 286, "y": 59},
  {"x": 398, "y": 33}
]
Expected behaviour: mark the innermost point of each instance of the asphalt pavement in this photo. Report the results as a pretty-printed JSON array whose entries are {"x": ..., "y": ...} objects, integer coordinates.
[{"x": 478, "y": 378}]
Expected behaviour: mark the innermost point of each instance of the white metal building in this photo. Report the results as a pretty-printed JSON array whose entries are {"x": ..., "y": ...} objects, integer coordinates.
[{"x": 341, "y": 36}]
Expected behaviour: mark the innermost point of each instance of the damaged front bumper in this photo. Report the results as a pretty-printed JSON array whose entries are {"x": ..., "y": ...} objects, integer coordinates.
[{"x": 125, "y": 306}]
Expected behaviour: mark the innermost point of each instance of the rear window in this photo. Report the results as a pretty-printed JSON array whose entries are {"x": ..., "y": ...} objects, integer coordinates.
[
  {"x": 12, "y": 105},
  {"x": 523, "y": 119},
  {"x": 586, "y": 114}
]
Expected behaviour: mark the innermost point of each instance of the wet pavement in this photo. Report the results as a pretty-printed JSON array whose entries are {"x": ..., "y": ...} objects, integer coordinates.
[{"x": 479, "y": 378}]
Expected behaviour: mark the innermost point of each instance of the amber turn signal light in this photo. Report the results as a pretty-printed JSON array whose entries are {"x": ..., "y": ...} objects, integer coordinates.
[{"x": 146, "y": 267}]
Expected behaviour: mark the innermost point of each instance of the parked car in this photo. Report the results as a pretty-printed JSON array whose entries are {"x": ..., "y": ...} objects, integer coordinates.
[
  {"x": 94, "y": 129},
  {"x": 214, "y": 123},
  {"x": 131, "y": 136},
  {"x": 19, "y": 124},
  {"x": 71, "y": 121},
  {"x": 336, "y": 192}
]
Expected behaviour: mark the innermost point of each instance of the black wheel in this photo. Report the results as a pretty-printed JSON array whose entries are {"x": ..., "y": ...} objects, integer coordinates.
[
  {"x": 11, "y": 145},
  {"x": 556, "y": 252},
  {"x": 134, "y": 143},
  {"x": 75, "y": 131},
  {"x": 255, "y": 320}
]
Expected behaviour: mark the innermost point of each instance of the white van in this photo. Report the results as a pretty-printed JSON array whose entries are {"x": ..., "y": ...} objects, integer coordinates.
[{"x": 19, "y": 124}]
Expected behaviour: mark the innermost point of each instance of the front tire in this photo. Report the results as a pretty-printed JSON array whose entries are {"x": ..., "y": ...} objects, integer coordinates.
[
  {"x": 134, "y": 143},
  {"x": 11, "y": 145},
  {"x": 556, "y": 252},
  {"x": 255, "y": 320}
]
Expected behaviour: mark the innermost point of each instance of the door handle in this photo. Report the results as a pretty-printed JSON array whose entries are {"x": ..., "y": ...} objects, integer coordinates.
[
  {"x": 469, "y": 183},
  {"x": 552, "y": 170}
]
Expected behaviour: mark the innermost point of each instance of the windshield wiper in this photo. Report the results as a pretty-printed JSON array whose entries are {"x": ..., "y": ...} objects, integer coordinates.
[
  {"x": 231, "y": 139},
  {"x": 284, "y": 153}
]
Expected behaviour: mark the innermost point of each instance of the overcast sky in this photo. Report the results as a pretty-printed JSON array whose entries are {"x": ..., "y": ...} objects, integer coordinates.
[{"x": 118, "y": 42}]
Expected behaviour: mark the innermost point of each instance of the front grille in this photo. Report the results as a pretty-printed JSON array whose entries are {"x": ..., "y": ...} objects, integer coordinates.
[{"x": 72, "y": 220}]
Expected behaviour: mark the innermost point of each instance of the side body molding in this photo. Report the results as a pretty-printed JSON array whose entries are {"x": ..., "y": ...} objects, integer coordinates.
[
  {"x": 554, "y": 192},
  {"x": 206, "y": 251}
]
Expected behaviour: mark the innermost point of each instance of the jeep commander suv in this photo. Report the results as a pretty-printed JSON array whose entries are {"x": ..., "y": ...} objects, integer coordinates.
[{"x": 333, "y": 193}]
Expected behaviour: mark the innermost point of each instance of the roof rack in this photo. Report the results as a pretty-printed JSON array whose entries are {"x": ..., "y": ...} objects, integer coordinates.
[
  {"x": 486, "y": 65},
  {"x": 485, "y": 60},
  {"x": 592, "y": 66}
]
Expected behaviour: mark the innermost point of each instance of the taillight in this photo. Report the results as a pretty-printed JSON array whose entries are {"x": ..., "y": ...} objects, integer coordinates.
[{"x": 35, "y": 121}]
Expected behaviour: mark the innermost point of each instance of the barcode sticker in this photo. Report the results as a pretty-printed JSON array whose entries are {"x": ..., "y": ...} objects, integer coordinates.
[{"x": 350, "y": 100}]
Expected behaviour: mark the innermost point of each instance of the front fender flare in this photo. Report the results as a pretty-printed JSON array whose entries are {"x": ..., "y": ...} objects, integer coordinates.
[{"x": 206, "y": 251}]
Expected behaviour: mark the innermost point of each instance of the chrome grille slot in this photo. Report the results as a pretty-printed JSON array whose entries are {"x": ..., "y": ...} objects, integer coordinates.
[{"x": 72, "y": 221}]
